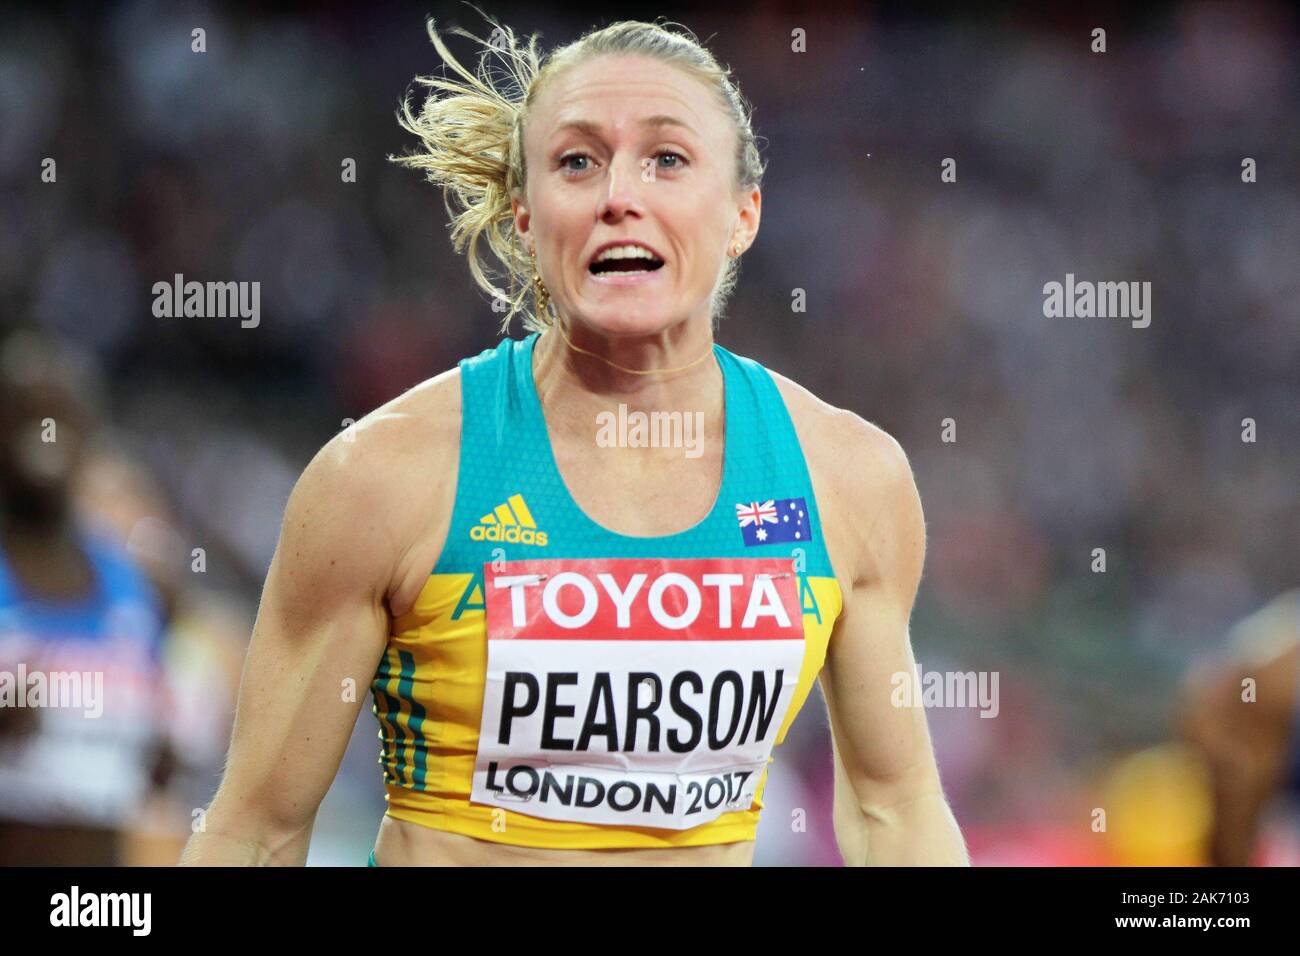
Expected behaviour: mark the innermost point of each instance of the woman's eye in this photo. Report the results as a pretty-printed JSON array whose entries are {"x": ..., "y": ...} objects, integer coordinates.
[{"x": 567, "y": 161}]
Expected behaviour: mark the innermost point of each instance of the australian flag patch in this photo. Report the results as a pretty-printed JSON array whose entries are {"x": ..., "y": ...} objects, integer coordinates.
[{"x": 776, "y": 521}]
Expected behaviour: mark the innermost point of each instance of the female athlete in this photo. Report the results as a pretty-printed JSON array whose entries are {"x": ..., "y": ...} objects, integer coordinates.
[{"x": 584, "y": 621}]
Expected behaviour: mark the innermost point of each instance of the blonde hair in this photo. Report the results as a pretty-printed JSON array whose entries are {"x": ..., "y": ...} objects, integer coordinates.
[{"x": 471, "y": 141}]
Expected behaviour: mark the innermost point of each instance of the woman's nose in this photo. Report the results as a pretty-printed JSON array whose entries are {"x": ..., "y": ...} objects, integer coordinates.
[{"x": 623, "y": 194}]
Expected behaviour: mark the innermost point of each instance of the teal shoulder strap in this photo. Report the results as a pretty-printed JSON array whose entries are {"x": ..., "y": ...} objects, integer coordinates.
[
  {"x": 504, "y": 464},
  {"x": 768, "y": 469}
]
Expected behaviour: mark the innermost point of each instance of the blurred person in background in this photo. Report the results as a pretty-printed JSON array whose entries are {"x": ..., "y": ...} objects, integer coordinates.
[
  {"x": 1243, "y": 715},
  {"x": 82, "y": 703},
  {"x": 205, "y": 632}
]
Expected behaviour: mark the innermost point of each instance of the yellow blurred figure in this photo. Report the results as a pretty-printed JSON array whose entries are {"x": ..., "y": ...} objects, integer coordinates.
[{"x": 1159, "y": 808}]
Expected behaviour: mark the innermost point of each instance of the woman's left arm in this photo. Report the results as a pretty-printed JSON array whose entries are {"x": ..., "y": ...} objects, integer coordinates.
[{"x": 889, "y": 804}]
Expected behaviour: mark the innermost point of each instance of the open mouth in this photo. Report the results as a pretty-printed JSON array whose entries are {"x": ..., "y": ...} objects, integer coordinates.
[{"x": 625, "y": 261}]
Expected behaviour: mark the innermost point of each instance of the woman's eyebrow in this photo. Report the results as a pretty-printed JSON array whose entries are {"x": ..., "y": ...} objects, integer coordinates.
[{"x": 594, "y": 129}]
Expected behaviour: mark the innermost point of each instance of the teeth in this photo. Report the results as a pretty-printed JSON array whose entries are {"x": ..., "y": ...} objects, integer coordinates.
[{"x": 626, "y": 252}]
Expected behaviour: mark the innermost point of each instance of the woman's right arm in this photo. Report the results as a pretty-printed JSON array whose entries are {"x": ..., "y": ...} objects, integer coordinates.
[{"x": 321, "y": 629}]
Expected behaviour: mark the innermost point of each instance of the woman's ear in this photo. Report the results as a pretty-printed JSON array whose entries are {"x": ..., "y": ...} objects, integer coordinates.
[
  {"x": 749, "y": 212},
  {"x": 522, "y": 218}
]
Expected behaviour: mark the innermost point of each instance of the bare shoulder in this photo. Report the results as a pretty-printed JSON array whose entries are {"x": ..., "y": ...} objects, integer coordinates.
[
  {"x": 1263, "y": 655},
  {"x": 1242, "y": 707},
  {"x": 857, "y": 450},
  {"x": 373, "y": 491},
  {"x": 863, "y": 481},
  {"x": 383, "y": 451}
]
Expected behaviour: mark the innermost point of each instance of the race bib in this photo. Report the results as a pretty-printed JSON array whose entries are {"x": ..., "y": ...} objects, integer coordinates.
[{"x": 636, "y": 692}]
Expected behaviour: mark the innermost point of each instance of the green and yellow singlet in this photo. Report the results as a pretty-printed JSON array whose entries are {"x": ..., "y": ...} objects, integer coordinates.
[{"x": 559, "y": 685}]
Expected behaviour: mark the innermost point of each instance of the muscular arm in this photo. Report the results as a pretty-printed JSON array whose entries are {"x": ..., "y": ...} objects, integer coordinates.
[
  {"x": 889, "y": 804},
  {"x": 1244, "y": 744},
  {"x": 322, "y": 621}
]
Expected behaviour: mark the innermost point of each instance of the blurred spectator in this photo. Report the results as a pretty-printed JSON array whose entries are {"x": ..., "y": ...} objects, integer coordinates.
[
  {"x": 83, "y": 707},
  {"x": 205, "y": 635}
]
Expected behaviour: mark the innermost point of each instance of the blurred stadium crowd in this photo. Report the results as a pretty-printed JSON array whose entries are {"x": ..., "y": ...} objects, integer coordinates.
[{"x": 924, "y": 303}]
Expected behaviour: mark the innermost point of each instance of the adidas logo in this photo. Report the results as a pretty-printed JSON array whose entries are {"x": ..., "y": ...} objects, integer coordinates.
[{"x": 511, "y": 522}]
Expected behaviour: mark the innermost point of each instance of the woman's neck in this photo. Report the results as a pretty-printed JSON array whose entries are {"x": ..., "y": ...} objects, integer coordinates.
[{"x": 579, "y": 375}]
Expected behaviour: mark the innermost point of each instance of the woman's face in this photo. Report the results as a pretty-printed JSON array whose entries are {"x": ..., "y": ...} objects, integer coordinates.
[{"x": 629, "y": 149}]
